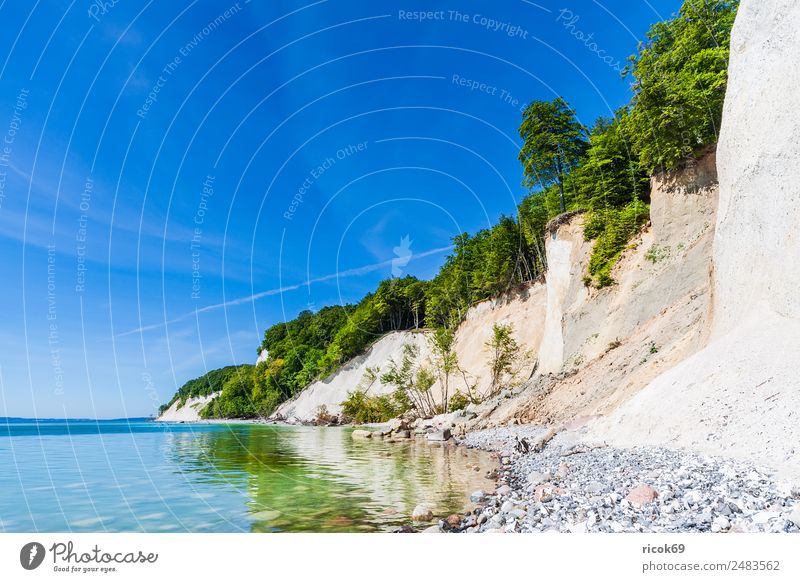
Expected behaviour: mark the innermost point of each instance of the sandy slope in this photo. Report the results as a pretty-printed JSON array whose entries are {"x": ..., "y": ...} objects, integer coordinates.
[
  {"x": 739, "y": 396},
  {"x": 602, "y": 347}
]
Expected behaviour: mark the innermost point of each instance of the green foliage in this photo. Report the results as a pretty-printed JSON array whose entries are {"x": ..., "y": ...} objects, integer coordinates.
[
  {"x": 459, "y": 401},
  {"x": 657, "y": 253},
  {"x": 206, "y": 384},
  {"x": 361, "y": 408},
  {"x": 504, "y": 354},
  {"x": 235, "y": 400},
  {"x": 680, "y": 80},
  {"x": 610, "y": 175},
  {"x": 490, "y": 262},
  {"x": 613, "y": 228},
  {"x": 553, "y": 144},
  {"x": 412, "y": 381},
  {"x": 397, "y": 304},
  {"x": 681, "y": 74},
  {"x": 445, "y": 361}
]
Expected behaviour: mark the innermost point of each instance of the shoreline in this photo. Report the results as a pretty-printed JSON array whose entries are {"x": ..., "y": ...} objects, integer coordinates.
[{"x": 572, "y": 486}]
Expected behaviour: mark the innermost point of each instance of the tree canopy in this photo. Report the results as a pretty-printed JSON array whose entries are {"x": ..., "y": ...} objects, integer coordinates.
[
  {"x": 553, "y": 143},
  {"x": 681, "y": 73}
]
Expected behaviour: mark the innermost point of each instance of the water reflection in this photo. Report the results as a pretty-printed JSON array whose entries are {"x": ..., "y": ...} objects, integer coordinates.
[
  {"x": 87, "y": 476},
  {"x": 320, "y": 479}
]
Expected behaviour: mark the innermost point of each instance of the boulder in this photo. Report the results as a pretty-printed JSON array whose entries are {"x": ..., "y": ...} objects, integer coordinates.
[
  {"x": 477, "y": 496},
  {"x": 361, "y": 434},
  {"x": 439, "y": 436},
  {"x": 545, "y": 493},
  {"x": 398, "y": 424},
  {"x": 641, "y": 495},
  {"x": 422, "y": 512},
  {"x": 537, "y": 478}
]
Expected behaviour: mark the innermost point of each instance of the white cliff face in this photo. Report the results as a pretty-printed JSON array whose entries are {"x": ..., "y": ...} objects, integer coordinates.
[
  {"x": 189, "y": 412},
  {"x": 567, "y": 256},
  {"x": 332, "y": 391},
  {"x": 739, "y": 395},
  {"x": 523, "y": 310},
  {"x": 757, "y": 246},
  {"x": 559, "y": 264}
]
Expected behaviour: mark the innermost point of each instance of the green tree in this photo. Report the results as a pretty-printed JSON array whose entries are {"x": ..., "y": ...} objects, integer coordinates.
[
  {"x": 504, "y": 353},
  {"x": 445, "y": 361},
  {"x": 681, "y": 73},
  {"x": 412, "y": 381},
  {"x": 553, "y": 143}
]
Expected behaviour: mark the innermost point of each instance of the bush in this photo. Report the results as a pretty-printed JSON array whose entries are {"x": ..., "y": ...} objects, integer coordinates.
[
  {"x": 619, "y": 226},
  {"x": 459, "y": 401},
  {"x": 361, "y": 408}
]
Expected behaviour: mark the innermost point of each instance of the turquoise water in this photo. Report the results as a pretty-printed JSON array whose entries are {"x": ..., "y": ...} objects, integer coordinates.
[{"x": 88, "y": 476}]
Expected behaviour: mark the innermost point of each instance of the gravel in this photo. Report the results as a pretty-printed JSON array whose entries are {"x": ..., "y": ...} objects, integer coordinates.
[{"x": 572, "y": 487}]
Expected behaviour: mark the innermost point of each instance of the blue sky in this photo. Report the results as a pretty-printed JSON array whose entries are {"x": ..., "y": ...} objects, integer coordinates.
[{"x": 176, "y": 177}]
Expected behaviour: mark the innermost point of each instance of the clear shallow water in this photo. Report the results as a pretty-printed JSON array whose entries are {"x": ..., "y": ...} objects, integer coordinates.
[{"x": 82, "y": 475}]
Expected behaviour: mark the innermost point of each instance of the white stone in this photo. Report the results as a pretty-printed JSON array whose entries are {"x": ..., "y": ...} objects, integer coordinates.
[{"x": 763, "y": 517}]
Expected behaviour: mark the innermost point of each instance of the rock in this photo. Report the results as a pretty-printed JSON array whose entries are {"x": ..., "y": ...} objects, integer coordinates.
[
  {"x": 422, "y": 513},
  {"x": 720, "y": 524},
  {"x": 432, "y": 529},
  {"x": 495, "y": 522},
  {"x": 439, "y": 436},
  {"x": 641, "y": 495},
  {"x": 794, "y": 516},
  {"x": 402, "y": 434},
  {"x": 763, "y": 517},
  {"x": 507, "y": 507},
  {"x": 537, "y": 478},
  {"x": 482, "y": 518},
  {"x": 503, "y": 490},
  {"x": 361, "y": 434},
  {"x": 545, "y": 493},
  {"x": 477, "y": 496},
  {"x": 453, "y": 520},
  {"x": 541, "y": 442},
  {"x": 693, "y": 497},
  {"x": 397, "y": 424},
  {"x": 595, "y": 488},
  {"x": 404, "y": 529}
]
